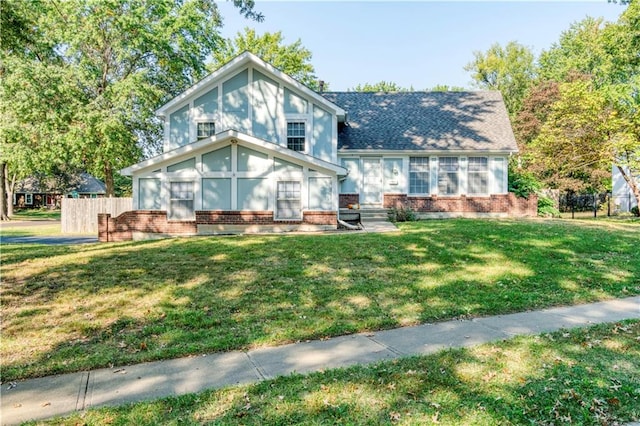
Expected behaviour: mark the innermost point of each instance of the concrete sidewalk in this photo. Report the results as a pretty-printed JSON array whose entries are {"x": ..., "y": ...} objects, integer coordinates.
[{"x": 60, "y": 395}]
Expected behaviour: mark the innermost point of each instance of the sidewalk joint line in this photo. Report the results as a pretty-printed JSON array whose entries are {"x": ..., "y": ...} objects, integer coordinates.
[
  {"x": 261, "y": 374},
  {"x": 387, "y": 347},
  {"x": 82, "y": 395}
]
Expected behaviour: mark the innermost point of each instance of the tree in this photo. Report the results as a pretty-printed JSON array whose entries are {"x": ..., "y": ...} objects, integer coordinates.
[
  {"x": 510, "y": 69},
  {"x": 114, "y": 62},
  {"x": 292, "y": 59},
  {"x": 580, "y": 139},
  {"x": 446, "y": 88},
  {"x": 381, "y": 86},
  {"x": 606, "y": 58},
  {"x": 580, "y": 50}
]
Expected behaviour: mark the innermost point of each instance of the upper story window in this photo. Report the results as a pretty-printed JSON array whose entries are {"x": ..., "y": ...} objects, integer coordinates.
[
  {"x": 478, "y": 175},
  {"x": 419, "y": 175},
  {"x": 206, "y": 129},
  {"x": 296, "y": 135},
  {"x": 448, "y": 180}
]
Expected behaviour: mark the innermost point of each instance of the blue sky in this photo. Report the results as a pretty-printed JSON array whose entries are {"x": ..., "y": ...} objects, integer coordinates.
[{"x": 415, "y": 43}]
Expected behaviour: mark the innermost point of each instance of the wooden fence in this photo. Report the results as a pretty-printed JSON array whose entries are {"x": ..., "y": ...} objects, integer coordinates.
[{"x": 80, "y": 215}]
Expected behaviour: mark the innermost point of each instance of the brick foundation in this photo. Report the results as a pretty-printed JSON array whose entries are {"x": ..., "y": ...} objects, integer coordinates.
[
  {"x": 504, "y": 204},
  {"x": 346, "y": 199},
  {"x": 126, "y": 226}
]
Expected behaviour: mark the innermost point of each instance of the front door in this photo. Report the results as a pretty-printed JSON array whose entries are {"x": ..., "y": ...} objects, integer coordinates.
[{"x": 372, "y": 181}]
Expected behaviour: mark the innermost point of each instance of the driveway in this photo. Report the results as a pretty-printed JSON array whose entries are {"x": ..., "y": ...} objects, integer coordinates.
[{"x": 49, "y": 240}]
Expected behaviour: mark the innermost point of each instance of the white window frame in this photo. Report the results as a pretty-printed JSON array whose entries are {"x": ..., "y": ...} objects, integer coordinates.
[
  {"x": 306, "y": 133},
  {"x": 28, "y": 199},
  {"x": 427, "y": 161},
  {"x": 484, "y": 172},
  {"x": 285, "y": 199},
  {"x": 457, "y": 175},
  {"x": 171, "y": 200},
  {"x": 203, "y": 122}
]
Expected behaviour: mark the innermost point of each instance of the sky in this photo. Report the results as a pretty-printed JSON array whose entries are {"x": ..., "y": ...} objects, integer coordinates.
[{"x": 416, "y": 44}]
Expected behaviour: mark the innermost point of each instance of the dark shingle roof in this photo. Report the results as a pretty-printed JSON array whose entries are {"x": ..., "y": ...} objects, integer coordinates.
[
  {"x": 430, "y": 121},
  {"x": 83, "y": 183}
]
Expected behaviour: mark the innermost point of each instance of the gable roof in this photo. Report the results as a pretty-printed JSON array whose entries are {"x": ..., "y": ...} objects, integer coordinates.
[
  {"x": 219, "y": 139},
  {"x": 237, "y": 63},
  {"x": 424, "y": 121},
  {"x": 83, "y": 183}
]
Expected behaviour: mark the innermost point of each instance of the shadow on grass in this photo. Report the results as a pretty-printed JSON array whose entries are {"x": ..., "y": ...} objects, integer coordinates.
[
  {"x": 587, "y": 377},
  {"x": 73, "y": 308}
]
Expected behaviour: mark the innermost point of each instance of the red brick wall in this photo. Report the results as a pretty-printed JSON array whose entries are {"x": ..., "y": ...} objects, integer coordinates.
[
  {"x": 502, "y": 203},
  {"x": 121, "y": 228},
  {"x": 346, "y": 199}
]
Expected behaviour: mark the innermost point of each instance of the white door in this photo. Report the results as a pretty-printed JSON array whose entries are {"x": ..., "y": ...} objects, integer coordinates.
[{"x": 372, "y": 181}]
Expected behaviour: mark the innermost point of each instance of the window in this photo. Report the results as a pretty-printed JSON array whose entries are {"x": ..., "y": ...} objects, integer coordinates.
[
  {"x": 478, "y": 175},
  {"x": 448, "y": 175},
  {"x": 206, "y": 129},
  {"x": 288, "y": 200},
  {"x": 419, "y": 175},
  {"x": 181, "y": 200},
  {"x": 28, "y": 199},
  {"x": 296, "y": 135}
]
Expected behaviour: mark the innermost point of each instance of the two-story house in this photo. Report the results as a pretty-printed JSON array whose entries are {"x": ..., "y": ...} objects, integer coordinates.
[{"x": 250, "y": 149}]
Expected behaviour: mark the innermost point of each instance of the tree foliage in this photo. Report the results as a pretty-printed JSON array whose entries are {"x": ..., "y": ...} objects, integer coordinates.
[
  {"x": 293, "y": 59},
  {"x": 446, "y": 88},
  {"x": 510, "y": 69},
  {"x": 381, "y": 86},
  {"x": 80, "y": 90}
]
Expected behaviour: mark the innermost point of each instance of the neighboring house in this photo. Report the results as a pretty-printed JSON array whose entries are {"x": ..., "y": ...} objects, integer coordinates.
[
  {"x": 249, "y": 148},
  {"x": 623, "y": 198},
  {"x": 34, "y": 192}
]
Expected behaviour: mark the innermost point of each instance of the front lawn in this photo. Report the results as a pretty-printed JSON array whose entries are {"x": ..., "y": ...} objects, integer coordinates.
[
  {"x": 36, "y": 214},
  {"x": 584, "y": 377},
  {"x": 79, "y": 307}
]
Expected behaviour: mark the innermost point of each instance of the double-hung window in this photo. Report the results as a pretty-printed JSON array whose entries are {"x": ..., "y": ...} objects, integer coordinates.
[
  {"x": 181, "y": 200},
  {"x": 478, "y": 175},
  {"x": 206, "y": 129},
  {"x": 288, "y": 202},
  {"x": 296, "y": 135},
  {"x": 419, "y": 175},
  {"x": 448, "y": 180}
]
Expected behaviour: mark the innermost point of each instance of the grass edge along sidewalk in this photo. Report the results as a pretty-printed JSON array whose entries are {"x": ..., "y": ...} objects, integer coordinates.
[{"x": 127, "y": 384}]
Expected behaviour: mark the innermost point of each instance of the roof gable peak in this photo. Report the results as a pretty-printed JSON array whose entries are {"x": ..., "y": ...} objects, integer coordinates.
[{"x": 242, "y": 60}]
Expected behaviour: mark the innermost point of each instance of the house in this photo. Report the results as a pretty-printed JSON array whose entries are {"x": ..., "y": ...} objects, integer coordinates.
[
  {"x": 249, "y": 149},
  {"x": 623, "y": 198},
  {"x": 36, "y": 192}
]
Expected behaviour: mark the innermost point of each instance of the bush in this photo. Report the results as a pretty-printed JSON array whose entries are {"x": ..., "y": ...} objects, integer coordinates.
[
  {"x": 523, "y": 184},
  {"x": 402, "y": 215},
  {"x": 635, "y": 211},
  {"x": 547, "y": 208}
]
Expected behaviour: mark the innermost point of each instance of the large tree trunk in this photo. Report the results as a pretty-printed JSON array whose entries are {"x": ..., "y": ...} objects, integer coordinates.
[
  {"x": 108, "y": 180},
  {"x": 10, "y": 188},
  {"x": 4, "y": 200},
  {"x": 628, "y": 177}
]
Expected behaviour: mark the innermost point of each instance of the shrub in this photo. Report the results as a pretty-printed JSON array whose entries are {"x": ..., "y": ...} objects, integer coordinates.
[
  {"x": 547, "y": 208},
  {"x": 402, "y": 214},
  {"x": 523, "y": 184},
  {"x": 635, "y": 211}
]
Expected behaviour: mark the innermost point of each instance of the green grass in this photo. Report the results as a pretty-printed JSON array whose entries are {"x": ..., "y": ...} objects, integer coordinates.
[
  {"x": 586, "y": 376},
  {"x": 30, "y": 230},
  {"x": 36, "y": 214},
  {"x": 74, "y": 308}
]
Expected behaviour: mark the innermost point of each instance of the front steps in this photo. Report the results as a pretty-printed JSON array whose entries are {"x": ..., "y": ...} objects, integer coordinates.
[{"x": 367, "y": 215}]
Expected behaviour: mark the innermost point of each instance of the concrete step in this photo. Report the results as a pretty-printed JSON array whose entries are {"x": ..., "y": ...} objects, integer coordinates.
[{"x": 368, "y": 215}]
